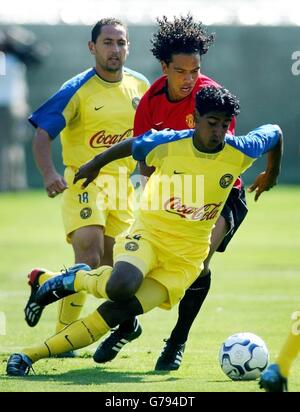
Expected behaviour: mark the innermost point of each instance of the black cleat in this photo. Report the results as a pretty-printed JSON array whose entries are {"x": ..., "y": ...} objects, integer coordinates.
[
  {"x": 59, "y": 286},
  {"x": 272, "y": 381},
  {"x": 33, "y": 310},
  {"x": 18, "y": 364},
  {"x": 112, "y": 345},
  {"x": 170, "y": 357}
]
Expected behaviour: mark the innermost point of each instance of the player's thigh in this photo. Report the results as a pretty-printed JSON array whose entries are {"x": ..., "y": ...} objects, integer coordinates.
[
  {"x": 116, "y": 224},
  {"x": 120, "y": 219},
  {"x": 133, "y": 248},
  {"x": 176, "y": 276},
  {"x": 151, "y": 294},
  {"x": 234, "y": 212},
  {"x": 80, "y": 208},
  {"x": 218, "y": 234}
]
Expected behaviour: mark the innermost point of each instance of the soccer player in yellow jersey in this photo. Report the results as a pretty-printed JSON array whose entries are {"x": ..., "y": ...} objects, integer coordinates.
[
  {"x": 275, "y": 377},
  {"x": 160, "y": 255},
  {"x": 92, "y": 111}
]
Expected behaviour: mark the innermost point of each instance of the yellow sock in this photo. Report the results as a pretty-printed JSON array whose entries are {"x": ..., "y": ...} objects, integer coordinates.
[
  {"x": 69, "y": 309},
  {"x": 93, "y": 282},
  {"x": 79, "y": 334},
  {"x": 291, "y": 347},
  {"x": 46, "y": 276}
]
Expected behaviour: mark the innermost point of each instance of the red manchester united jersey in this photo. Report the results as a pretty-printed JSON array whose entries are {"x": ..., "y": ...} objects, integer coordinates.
[{"x": 156, "y": 111}]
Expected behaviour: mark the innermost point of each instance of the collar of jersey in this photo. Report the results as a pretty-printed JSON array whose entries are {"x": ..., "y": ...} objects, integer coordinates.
[
  {"x": 205, "y": 155},
  {"x": 105, "y": 82}
]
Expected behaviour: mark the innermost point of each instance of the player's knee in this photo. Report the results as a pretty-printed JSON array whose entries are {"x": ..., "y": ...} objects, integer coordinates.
[
  {"x": 202, "y": 282},
  {"x": 91, "y": 259},
  {"x": 87, "y": 249},
  {"x": 118, "y": 290},
  {"x": 91, "y": 256},
  {"x": 115, "y": 313},
  {"x": 124, "y": 282}
]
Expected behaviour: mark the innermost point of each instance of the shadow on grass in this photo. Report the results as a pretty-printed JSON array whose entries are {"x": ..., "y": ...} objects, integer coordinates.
[{"x": 98, "y": 376}]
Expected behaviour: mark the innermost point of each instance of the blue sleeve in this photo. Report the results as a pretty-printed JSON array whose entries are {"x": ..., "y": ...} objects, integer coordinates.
[
  {"x": 50, "y": 115},
  {"x": 146, "y": 142},
  {"x": 257, "y": 142}
]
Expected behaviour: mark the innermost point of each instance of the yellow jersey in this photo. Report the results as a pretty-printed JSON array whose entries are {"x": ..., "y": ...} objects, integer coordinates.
[
  {"x": 91, "y": 115},
  {"x": 185, "y": 195}
]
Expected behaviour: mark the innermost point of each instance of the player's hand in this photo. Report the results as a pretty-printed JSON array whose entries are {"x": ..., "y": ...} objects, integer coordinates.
[
  {"x": 263, "y": 182},
  {"x": 54, "y": 184},
  {"x": 88, "y": 172}
]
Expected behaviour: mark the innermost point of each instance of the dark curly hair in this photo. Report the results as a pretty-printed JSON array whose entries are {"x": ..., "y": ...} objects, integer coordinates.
[
  {"x": 211, "y": 98},
  {"x": 108, "y": 21},
  {"x": 182, "y": 35}
]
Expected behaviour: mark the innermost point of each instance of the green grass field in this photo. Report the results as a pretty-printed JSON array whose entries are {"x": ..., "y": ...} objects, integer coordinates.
[{"x": 255, "y": 288}]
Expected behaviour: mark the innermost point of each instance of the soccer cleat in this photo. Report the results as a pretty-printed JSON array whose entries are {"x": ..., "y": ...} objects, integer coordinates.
[
  {"x": 272, "y": 381},
  {"x": 59, "y": 286},
  {"x": 170, "y": 357},
  {"x": 18, "y": 364},
  {"x": 33, "y": 310},
  {"x": 112, "y": 345}
]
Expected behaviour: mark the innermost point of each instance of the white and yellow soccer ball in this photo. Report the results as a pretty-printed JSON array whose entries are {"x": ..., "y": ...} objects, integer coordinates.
[{"x": 243, "y": 356}]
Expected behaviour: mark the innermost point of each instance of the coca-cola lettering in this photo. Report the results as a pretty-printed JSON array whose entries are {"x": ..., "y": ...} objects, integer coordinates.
[
  {"x": 206, "y": 212},
  {"x": 101, "y": 139}
]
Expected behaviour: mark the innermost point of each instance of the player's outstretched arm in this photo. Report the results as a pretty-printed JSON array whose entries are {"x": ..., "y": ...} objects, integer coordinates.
[
  {"x": 90, "y": 170},
  {"x": 267, "y": 179}
]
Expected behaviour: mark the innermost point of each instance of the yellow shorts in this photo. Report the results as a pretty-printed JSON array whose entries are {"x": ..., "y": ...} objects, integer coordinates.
[
  {"x": 169, "y": 261},
  {"x": 97, "y": 205}
]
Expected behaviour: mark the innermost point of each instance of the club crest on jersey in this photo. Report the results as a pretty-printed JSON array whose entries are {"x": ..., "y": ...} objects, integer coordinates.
[
  {"x": 135, "y": 101},
  {"x": 226, "y": 180},
  {"x": 190, "y": 121},
  {"x": 85, "y": 213},
  {"x": 131, "y": 246}
]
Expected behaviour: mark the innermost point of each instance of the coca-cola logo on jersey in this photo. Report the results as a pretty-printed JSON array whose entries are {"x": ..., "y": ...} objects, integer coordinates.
[
  {"x": 205, "y": 212},
  {"x": 101, "y": 139}
]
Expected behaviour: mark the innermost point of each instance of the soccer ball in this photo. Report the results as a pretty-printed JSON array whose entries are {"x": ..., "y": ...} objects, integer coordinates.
[{"x": 243, "y": 356}]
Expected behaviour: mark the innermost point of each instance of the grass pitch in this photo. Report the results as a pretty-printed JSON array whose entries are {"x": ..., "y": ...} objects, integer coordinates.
[{"x": 255, "y": 288}]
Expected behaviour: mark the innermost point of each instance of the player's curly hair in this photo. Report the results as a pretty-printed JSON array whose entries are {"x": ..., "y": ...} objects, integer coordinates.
[
  {"x": 182, "y": 35},
  {"x": 108, "y": 21},
  {"x": 211, "y": 98}
]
